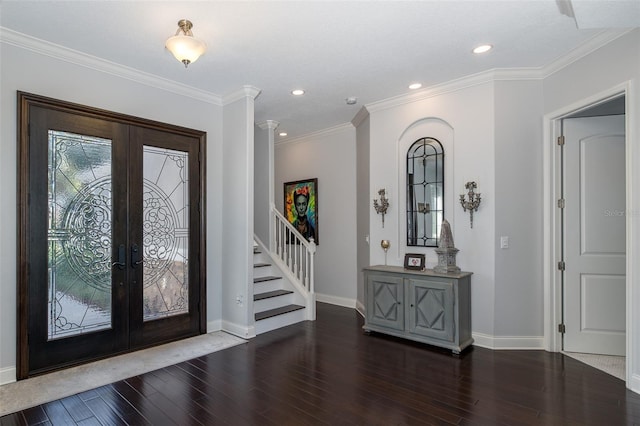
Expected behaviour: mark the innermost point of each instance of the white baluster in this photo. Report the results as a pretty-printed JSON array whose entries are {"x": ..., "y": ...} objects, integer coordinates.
[
  {"x": 280, "y": 247},
  {"x": 295, "y": 259},
  {"x": 284, "y": 245},
  {"x": 303, "y": 252},
  {"x": 276, "y": 238},
  {"x": 275, "y": 235},
  {"x": 303, "y": 272},
  {"x": 305, "y": 281},
  {"x": 310, "y": 276},
  {"x": 299, "y": 267},
  {"x": 291, "y": 240},
  {"x": 282, "y": 231}
]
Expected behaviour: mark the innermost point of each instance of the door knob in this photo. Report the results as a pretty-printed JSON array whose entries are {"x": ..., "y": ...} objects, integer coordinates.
[
  {"x": 121, "y": 258},
  {"x": 136, "y": 258}
]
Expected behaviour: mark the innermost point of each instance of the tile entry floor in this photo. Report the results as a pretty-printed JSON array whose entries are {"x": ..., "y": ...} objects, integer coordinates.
[
  {"x": 614, "y": 365},
  {"x": 50, "y": 387}
]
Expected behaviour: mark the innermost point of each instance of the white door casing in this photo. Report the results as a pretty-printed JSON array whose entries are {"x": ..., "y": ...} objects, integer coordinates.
[{"x": 594, "y": 235}]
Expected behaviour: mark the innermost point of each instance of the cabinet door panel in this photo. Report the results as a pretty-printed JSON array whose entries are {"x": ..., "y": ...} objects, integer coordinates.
[
  {"x": 385, "y": 297},
  {"x": 431, "y": 309}
]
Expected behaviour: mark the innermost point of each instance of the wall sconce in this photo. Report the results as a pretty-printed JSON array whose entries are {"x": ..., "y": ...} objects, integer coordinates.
[
  {"x": 473, "y": 201},
  {"x": 185, "y": 47},
  {"x": 382, "y": 206}
]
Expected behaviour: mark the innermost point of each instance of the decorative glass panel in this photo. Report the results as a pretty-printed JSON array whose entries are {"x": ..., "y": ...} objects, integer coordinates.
[
  {"x": 79, "y": 234},
  {"x": 165, "y": 233},
  {"x": 425, "y": 192}
]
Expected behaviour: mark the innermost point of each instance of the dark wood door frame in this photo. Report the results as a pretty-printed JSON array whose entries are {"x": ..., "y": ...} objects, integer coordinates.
[{"x": 27, "y": 103}]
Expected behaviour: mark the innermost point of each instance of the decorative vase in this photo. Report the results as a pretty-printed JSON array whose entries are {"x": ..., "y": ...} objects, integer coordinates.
[{"x": 385, "y": 244}]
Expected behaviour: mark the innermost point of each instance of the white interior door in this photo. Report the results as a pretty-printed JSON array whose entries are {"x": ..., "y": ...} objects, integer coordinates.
[{"x": 594, "y": 235}]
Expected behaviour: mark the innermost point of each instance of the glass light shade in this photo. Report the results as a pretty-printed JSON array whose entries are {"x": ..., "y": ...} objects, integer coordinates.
[{"x": 186, "y": 49}]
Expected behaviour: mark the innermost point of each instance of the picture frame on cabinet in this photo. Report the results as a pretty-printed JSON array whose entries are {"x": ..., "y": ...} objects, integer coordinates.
[{"x": 414, "y": 261}]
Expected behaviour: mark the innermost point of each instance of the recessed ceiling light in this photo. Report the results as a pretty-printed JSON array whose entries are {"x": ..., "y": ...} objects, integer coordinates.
[
  {"x": 415, "y": 86},
  {"x": 483, "y": 48},
  {"x": 282, "y": 134},
  {"x": 297, "y": 92}
]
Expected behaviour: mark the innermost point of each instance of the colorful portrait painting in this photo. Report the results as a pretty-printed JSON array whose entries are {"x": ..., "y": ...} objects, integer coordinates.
[{"x": 301, "y": 207}]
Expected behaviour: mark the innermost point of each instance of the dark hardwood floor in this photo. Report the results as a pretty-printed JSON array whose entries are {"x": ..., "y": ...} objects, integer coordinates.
[{"x": 330, "y": 372}]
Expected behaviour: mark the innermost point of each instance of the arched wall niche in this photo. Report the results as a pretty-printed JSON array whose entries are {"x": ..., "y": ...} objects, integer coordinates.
[{"x": 441, "y": 130}]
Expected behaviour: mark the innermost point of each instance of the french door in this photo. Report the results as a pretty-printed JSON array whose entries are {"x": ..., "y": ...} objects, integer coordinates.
[{"x": 110, "y": 239}]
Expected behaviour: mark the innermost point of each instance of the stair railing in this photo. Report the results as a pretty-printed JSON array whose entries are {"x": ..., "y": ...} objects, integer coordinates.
[{"x": 296, "y": 255}]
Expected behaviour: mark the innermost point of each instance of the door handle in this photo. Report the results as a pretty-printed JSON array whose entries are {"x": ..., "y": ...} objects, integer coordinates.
[
  {"x": 135, "y": 256},
  {"x": 121, "y": 258}
]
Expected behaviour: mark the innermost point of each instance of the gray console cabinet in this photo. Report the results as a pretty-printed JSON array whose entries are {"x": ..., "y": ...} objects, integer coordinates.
[{"x": 423, "y": 306}]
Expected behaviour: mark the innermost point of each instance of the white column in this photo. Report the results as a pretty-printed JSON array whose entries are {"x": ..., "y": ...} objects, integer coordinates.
[
  {"x": 237, "y": 212},
  {"x": 271, "y": 125}
]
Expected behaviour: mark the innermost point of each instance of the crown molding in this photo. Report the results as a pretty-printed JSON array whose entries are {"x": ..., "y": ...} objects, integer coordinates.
[
  {"x": 65, "y": 54},
  {"x": 245, "y": 92},
  {"x": 489, "y": 76},
  {"x": 268, "y": 124},
  {"x": 594, "y": 43},
  {"x": 325, "y": 132},
  {"x": 357, "y": 119},
  {"x": 501, "y": 74}
]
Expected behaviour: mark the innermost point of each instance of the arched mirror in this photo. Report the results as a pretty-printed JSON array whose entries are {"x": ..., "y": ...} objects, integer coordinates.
[{"x": 425, "y": 192}]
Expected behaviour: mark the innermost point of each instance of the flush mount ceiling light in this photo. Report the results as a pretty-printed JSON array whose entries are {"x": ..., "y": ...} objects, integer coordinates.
[
  {"x": 283, "y": 134},
  {"x": 297, "y": 92},
  {"x": 483, "y": 48},
  {"x": 184, "y": 46},
  {"x": 415, "y": 86}
]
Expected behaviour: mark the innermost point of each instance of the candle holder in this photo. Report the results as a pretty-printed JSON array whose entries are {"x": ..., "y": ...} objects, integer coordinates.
[
  {"x": 473, "y": 201},
  {"x": 385, "y": 244}
]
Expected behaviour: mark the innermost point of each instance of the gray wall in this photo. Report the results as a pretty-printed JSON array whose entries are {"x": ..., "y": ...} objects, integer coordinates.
[
  {"x": 364, "y": 203},
  {"x": 518, "y": 198},
  {"x": 331, "y": 157}
]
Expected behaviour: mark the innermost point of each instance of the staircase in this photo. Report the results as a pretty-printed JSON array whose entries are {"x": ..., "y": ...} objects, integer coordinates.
[{"x": 276, "y": 301}]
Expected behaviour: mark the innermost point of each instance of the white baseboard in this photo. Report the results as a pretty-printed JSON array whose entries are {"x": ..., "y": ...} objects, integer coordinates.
[
  {"x": 7, "y": 375},
  {"x": 215, "y": 325},
  {"x": 634, "y": 383},
  {"x": 241, "y": 331},
  {"x": 334, "y": 300},
  {"x": 508, "y": 342},
  {"x": 480, "y": 339}
]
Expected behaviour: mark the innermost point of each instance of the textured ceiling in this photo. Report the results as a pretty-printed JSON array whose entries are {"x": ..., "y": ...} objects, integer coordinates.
[{"x": 370, "y": 50}]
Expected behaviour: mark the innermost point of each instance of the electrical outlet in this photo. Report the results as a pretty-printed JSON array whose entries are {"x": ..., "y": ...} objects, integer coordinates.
[{"x": 504, "y": 242}]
